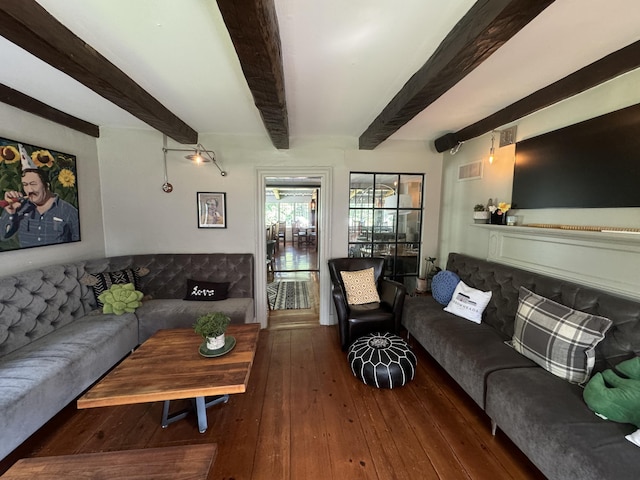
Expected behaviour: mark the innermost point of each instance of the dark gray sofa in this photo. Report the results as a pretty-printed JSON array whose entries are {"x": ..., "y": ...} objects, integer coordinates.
[
  {"x": 543, "y": 415},
  {"x": 54, "y": 343}
]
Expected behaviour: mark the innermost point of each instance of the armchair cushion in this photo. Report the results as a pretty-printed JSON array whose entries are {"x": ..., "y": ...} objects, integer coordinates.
[{"x": 360, "y": 286}]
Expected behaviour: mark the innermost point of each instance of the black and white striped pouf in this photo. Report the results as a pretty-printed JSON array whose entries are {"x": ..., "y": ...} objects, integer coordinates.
[{"x": 382, "y": 360}]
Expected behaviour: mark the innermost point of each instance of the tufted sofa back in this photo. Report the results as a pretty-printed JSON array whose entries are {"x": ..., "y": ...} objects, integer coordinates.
[
  {"x": 621, "y": 341},
  {"x": 168, "y": 273},
  {"x": 37, "y": 302}
]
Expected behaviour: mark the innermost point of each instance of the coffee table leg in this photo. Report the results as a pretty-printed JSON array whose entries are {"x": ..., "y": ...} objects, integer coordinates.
[
  {"x": 201, "y": 410},
  {"x": 167, "y": 419},
  {"x": 201, "y": 405}
]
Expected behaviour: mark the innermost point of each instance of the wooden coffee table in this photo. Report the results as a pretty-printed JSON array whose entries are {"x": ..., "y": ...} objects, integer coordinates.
[
  {"x": 169, "y": 367},
  {"x": 167, "y": 463}
]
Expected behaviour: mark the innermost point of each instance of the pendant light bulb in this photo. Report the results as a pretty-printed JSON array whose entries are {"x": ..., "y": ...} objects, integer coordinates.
[{"x": 492, "y": 150}]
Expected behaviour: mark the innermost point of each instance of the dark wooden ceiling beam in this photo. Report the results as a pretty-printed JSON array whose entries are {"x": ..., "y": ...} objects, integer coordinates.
[
  {"x": 485, "y": 28},
  {"x": 253, "y": 26},
  {"x": 613, "y": 65},
  {"x": 24, "y": 102},
  {"x": 32, "y": 28}
]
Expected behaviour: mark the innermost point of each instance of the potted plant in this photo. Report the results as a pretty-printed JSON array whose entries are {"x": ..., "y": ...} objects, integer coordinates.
[
  {"x": 429, "y": 271},
  {"x": 212, "y": 327},
  {"x": 480, "y": 214}
]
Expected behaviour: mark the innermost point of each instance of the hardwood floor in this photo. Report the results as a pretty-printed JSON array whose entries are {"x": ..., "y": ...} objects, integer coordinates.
[
  {"x": 304, "y": 416},
  {"x": 295, "y": 258},
  {"x": 297, "y": 263}
]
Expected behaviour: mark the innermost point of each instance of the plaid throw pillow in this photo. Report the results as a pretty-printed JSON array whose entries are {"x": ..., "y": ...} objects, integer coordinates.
[
  {"x": 360, "y": 286},
  {"x": 558, "y": 338}
]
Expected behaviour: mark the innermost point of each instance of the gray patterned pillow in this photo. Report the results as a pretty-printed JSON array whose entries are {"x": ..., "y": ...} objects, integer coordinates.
[
  {"x": 558, "y": 338},
  {"x": 101, "y": 282}
]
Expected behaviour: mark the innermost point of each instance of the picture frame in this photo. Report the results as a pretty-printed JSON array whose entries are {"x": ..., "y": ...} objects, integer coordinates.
[
  {"x": 212, "y": 209},
  {"x": 37, "y": 179}
]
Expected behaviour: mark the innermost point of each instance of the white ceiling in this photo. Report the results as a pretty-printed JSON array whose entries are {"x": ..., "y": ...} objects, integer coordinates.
[{"x": 343, "y": 61}]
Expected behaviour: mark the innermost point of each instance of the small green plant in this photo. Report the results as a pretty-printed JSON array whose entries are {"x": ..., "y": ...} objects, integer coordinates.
[
  {"x": 212, "y": 324},
  {"x": 479, "y": 208}
]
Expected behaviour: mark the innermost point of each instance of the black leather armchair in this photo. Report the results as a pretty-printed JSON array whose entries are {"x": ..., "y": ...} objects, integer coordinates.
[{"x": 355, "y": 321}]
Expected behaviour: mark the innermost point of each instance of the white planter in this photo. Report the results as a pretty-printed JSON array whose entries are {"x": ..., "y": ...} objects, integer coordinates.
[
  {"x": 481, "y": 217},
  {"x": 421, "y": 285},
  {"x": 214, "y": 343}
]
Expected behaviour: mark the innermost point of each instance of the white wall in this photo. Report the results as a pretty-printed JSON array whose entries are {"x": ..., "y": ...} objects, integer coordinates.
[
  {"x": 139, "y": 217},
  {"x": 458, "y": 197},
  {"x": 24, "y": 127}
]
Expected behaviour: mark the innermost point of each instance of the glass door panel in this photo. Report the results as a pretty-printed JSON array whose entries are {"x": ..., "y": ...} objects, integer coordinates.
[{"x": 385, "y": 220}]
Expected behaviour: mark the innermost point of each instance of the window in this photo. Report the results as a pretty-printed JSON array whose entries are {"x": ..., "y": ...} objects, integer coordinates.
[
  {"x": 385, "y": 220},
  {"x": 287, "y": 212}
]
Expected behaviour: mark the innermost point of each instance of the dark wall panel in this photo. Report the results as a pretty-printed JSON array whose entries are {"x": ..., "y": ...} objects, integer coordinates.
[{"x": 595, "y": 163}]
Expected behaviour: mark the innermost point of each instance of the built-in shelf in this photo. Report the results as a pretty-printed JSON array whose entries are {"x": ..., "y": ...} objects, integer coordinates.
[
  {"x": 609, "y": 260},
  {"x": 605, "y": 235}
]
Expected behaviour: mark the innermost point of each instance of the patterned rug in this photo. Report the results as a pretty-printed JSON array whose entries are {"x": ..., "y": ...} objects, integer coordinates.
[{"x": 288, "y": 295}]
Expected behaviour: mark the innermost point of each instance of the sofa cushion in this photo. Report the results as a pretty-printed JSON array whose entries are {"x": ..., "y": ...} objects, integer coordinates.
[
  {"x": 360, "y": 286},
  {"x": 172, "y": 313},
  {"x": 206, "y": 291},
  {"x": 443, "y": 285},
  {"x": 547, "y": 419},
  {"x": 467, "y": 351},
  {"x": 558, "y": 338},
  {"x": 467, "y": 302},
  {"x": 39, "y": 379}
]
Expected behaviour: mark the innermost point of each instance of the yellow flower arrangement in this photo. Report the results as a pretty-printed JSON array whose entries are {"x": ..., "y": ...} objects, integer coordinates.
[
  {"x": 504, "y": 206},
  {"x": 9, "y": 154},
  {"x": 67, "y": 178},
  {"x": 42, "y": 158}
]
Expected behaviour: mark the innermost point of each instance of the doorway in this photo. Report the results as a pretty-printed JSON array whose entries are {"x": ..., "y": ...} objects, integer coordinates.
[
  {"x": 302, "y": 243},
  {"x": 291, "y": 207}
]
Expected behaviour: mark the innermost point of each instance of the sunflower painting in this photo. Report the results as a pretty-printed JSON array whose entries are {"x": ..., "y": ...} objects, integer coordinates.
[{"x": 38, "y": 192}]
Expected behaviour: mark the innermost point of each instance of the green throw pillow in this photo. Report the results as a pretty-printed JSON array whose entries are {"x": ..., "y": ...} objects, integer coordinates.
[
  {"x": 615, "y": 397},
  {"x": 120, "y": 298}
]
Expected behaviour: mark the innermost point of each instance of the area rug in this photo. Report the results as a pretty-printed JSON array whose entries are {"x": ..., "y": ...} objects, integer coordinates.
[{"x": 288, "y": 295}]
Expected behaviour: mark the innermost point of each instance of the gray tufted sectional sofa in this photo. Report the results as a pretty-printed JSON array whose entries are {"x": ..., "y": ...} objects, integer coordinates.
[
  {"x": 543, "y": 415},
  {"x": 54, "y": 343}
]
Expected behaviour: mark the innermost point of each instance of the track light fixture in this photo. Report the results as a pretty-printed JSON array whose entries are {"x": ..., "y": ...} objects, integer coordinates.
[{"x": 197, "y": 154}]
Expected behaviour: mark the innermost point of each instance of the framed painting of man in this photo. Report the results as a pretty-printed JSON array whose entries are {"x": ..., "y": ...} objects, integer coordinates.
[
  {"x": 212, "y": 210},
  {"x": 38, "y": 196}
]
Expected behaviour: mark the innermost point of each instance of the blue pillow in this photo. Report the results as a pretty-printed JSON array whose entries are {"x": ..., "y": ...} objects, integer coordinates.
[{"x": 443, "y": 285}]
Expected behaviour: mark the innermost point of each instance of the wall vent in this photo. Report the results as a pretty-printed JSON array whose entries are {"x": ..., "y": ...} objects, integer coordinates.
[
  {"x": 470, "y": 171},
  {"x": 507, "y": 136}
]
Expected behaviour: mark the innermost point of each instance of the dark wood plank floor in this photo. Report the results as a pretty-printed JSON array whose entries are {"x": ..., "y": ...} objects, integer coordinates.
[{"x": 305, "y": 416}]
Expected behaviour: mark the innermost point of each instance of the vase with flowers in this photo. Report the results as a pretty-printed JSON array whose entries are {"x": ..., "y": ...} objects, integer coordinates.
[{"x": 499, "y": 213}]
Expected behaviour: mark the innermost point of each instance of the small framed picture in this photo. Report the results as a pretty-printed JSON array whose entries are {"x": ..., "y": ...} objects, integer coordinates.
[{"x": 212, "y": 210}]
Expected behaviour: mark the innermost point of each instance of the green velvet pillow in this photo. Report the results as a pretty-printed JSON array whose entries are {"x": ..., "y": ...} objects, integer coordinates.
[
  {"x": 120, "y": 298},
  {"x": 615, "y": 397}
]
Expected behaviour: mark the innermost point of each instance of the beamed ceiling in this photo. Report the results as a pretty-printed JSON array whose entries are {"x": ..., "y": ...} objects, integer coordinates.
[{"x": 416, "y": 70}]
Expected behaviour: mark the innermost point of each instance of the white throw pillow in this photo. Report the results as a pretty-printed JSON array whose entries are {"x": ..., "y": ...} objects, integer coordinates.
[{"x": 468, "y": 302}]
